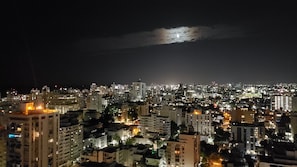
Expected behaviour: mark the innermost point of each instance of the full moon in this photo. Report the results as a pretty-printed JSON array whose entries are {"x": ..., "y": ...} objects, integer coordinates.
[{"x": 178, "y": 35}]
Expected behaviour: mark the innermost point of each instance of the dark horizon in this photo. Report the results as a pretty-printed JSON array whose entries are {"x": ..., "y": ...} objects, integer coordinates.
[{"x": 78, "y": 43}]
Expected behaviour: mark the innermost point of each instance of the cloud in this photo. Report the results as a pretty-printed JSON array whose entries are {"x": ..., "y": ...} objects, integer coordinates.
[{"x": 160, "y": 36}]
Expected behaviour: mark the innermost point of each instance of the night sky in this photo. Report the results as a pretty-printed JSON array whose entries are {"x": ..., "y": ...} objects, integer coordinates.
[{"x": 77, "y": 43}]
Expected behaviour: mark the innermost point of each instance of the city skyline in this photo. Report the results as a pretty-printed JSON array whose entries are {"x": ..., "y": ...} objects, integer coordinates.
[
  {"x": 81, "y": 43},
  {"x": 158, "y": 125}
]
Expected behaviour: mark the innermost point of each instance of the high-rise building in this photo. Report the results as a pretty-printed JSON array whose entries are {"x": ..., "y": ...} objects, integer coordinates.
[
  {"x": 94, "y": 102},
  {"x": 142, "y": 109},
  {"x": 70, "y": 141},
  {"x": 294, "y": 103},
  {"x": 283, "y": 103},
  {"x": 248, "y": 135},
  {"x": 200, "y": 122},
  {"x": 184, "y": 152},
  {"x": 93, "y": 87},
  {"x": 156, "y": 124},
  {"x": 174, "y": 113},
  {"x": 33, "y": 137},
  {"x": 138, "y": 91}
]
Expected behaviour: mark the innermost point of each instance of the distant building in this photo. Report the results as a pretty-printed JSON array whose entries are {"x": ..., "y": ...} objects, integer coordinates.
[
  {"x": 124, "y": 156},
  {"x": 174, "y": 113},
  {"x": 184, "y": 152},
  {"x": 142, "y": 109},
  {"x": 95, "y": 102},
  {"x": 63, "y": 103},
  {"x": 138, "y": 153},
  {"x": 294, "y": 103},
  {"x": 107, "y": 155},
  {"x": 248, "y": 135},
  {"x": 118, "y": 132},
  {"x": 121, "y": 155},
  {"x": 243, "y": 115},
  {"x": 142, "y": 140},
  {"x": 29, "y": 133},
  {"x": 138, "y": 91},
  {"x": 155, "y": 123},
  {"x": 154, "y": 160},
  {"x": 293, "y": 118},
  {"x": 283, "y": 103},
  {"x": 63, "y": 108},
  {"x": 139, "y": 108},
  {"x": 93, "y": 87},
  {"x": 70, "y": 142},
  {"x": 200, "y": 122},
  {"x": 96, "y": 140},
  {"x": 91, "y": 114}
]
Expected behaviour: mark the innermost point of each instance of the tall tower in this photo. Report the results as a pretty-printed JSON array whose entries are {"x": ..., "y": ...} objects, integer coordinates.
[
  {"x": 138, "y": 91},
  {"x": 70, "y": 140},
  {"x": 33, "y": 137}
]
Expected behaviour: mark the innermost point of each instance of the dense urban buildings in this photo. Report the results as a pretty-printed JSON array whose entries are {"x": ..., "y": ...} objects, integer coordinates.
[
  {"x": 148, "y": 84},
  {"x": 150, "y": 125}
]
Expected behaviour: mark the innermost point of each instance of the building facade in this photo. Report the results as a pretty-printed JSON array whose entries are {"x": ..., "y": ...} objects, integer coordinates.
[
  {"x": 156, "y": 124},
  {"x": 174, "y": 113},
  {"x": 94, "y": 102},
  {"x": 184, "y": 152},
  {"x": 243, "y": 115},
  {"x": 138, "y": 91},
  {"x": 70, "y": 143},
  {"x": 283, "y": 103},
  {"x": 33, "y": 137},
  {"x": 200, "y": 122},
  {"x": 249, "y": 135}
]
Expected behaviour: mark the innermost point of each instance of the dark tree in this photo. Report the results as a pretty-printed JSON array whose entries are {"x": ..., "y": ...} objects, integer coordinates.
[
  {"x": 207, "y": 149},
  {"x": 132, "y": 115},
  {"x": 174, "y": 129},
  {"x": 221, "y": 135},
  {"x": 107, "y": 116}
]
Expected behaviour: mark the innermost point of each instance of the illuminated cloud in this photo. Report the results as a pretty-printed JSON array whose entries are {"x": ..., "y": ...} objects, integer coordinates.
[{"x": 161, "y": 36}]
